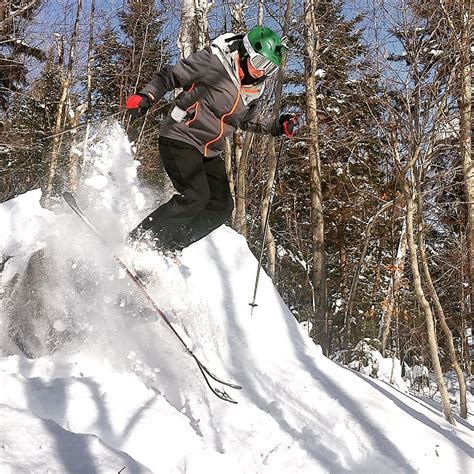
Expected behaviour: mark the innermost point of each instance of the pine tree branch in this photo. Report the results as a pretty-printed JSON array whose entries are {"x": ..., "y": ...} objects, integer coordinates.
[{"x": 19, "y": 12}]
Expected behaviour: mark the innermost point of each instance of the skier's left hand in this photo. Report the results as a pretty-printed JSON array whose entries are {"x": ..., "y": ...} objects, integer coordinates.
[{"x": 288, "y": 124}]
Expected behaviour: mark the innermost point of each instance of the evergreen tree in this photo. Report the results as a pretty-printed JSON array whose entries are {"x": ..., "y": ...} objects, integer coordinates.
[
  {"x": 353, "y": 179},
  {"x": 127, "y": 58},
  {"x": 125, "y": 61},
  {"x": 14, "y": 48},
  {"x": 18, "y": 152}
]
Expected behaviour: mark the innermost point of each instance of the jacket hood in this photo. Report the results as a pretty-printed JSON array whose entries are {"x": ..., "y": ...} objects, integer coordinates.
[{"x": 224, "y": 47}]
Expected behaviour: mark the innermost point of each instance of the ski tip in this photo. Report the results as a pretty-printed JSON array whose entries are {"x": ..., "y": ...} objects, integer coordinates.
[{"x": 225, "y": 396}]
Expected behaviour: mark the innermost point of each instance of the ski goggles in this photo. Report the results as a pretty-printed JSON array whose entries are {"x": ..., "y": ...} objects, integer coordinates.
[{"x": 258, "y": 61}]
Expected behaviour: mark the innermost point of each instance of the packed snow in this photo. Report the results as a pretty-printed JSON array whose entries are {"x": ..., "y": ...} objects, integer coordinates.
[{"x": 107, "y": 387}]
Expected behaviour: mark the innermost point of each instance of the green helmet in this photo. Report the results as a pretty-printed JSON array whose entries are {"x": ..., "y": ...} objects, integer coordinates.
[{"x": 265, "y": 49}]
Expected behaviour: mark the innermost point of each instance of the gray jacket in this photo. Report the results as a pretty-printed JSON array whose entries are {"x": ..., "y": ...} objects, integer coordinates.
[{"x": 213, "y": 96}]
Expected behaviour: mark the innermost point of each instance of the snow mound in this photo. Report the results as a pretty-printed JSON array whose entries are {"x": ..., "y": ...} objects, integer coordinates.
[
  {"x": 110, "y": 386},
  {"x": 41, "y": 445}
]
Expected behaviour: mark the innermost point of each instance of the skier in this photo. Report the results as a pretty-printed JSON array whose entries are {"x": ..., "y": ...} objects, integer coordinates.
[{"x": 221, "y": 87}]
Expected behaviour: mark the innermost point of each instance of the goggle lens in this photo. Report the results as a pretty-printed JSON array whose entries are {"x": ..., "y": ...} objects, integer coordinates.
[{"x": 263, "y": 64}]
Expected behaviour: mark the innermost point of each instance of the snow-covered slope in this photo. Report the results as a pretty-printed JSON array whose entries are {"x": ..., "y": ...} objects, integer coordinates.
[{"x": 120, "y": 392}]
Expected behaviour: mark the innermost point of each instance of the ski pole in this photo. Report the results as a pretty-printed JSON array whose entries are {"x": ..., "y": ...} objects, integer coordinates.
[{"x": 265, "y": 228}]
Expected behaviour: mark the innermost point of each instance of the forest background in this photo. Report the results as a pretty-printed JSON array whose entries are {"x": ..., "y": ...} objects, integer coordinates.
[{"x": 371, "y": 226}]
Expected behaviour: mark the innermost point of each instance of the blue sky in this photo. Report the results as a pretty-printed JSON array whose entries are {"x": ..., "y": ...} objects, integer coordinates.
[
  {"x": 58, "y": 16},
  {"x": 53, "y": 15}
]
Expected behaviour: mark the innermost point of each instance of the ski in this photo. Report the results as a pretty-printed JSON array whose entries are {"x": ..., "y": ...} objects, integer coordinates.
[{"x": 205, "y": 372}]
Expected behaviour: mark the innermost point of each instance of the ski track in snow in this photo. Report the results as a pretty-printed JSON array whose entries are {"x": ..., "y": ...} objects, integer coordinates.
[{"x": 121, "y": 392}]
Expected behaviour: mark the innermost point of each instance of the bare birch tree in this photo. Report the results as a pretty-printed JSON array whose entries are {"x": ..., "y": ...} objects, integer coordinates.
[
  {"x": 312, "y": 42},
  {"x": 90, "y": 64},
  {"x": 417, "y": 139},
  {"x": 193, "y": 30},
  {"x": 241, "y": 146},
  {"x": 65, "y": 91},
  {"x": 78, "y": 153},
  {"x": 272, "y": 161},
  {"x": 437, "y": 304},
  {"x": 186, "y": 40},
  {"x": 466, "y": 127},
  {"x": 422, "y": 300},
  {"x": 389, "y": 303}
]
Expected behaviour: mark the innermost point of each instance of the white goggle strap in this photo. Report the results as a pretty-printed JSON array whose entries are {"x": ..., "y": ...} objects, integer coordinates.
[{"x": 248, "y": 47}]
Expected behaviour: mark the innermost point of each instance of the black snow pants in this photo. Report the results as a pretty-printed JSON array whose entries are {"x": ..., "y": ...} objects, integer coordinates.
[{"x": 204, "y": 201}]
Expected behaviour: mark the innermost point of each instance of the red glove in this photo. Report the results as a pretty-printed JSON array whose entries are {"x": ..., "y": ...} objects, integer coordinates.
[
  {"x": 288, "y": 124},
  {"x": 138, "y": 104}
]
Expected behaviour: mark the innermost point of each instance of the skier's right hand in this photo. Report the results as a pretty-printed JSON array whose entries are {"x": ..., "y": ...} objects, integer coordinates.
[
  {"x": 288, "y": 124},
  {"x": 138, "y": 104}
]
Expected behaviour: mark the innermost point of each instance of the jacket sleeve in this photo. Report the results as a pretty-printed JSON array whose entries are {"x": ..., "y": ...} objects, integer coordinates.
[
  {"x": 183, "y": 74},
  {"x": 254, "y": 122}
]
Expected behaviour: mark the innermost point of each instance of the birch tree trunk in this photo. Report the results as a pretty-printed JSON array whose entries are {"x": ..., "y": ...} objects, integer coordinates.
[
  {"x": 88, "y": 104},
  {"x": 74, "y": 152},
  {"x": 423, "y": 302},
  {"x": 463, "y": 310},
  {"x": 269, "y": 239},
  {"x": 420, "y": 145},
  {"x": 260, "y": 13},
  {"x": 202, "y": 24},
  {"x": 312, "y": 40},
  {"x": 465, "y": 107},
  {"x": 66, "y": 85},
  {"x": 228, "y": 169},
  {"x": 237, "y": 13},
  {"x": 242, "y": 155},
  {"x": 388, "y": 305},
  {"x": 240, "y": 218},
  {"x": 272, "y": 157},
  {"x": 193, "y": 30},
  {"x": 344, "y": 268},
  {"x": 185, "y": 42},
  {"x": 438, "y": 308}
]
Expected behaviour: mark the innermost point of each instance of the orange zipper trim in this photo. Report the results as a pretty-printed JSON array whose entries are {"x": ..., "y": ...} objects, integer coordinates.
[
  {"x": 221, "y": 132},
  {"x": 239, "y": 69},
  {"x": 196, "y": 108},
  {"x": 243, "y": 88}
]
